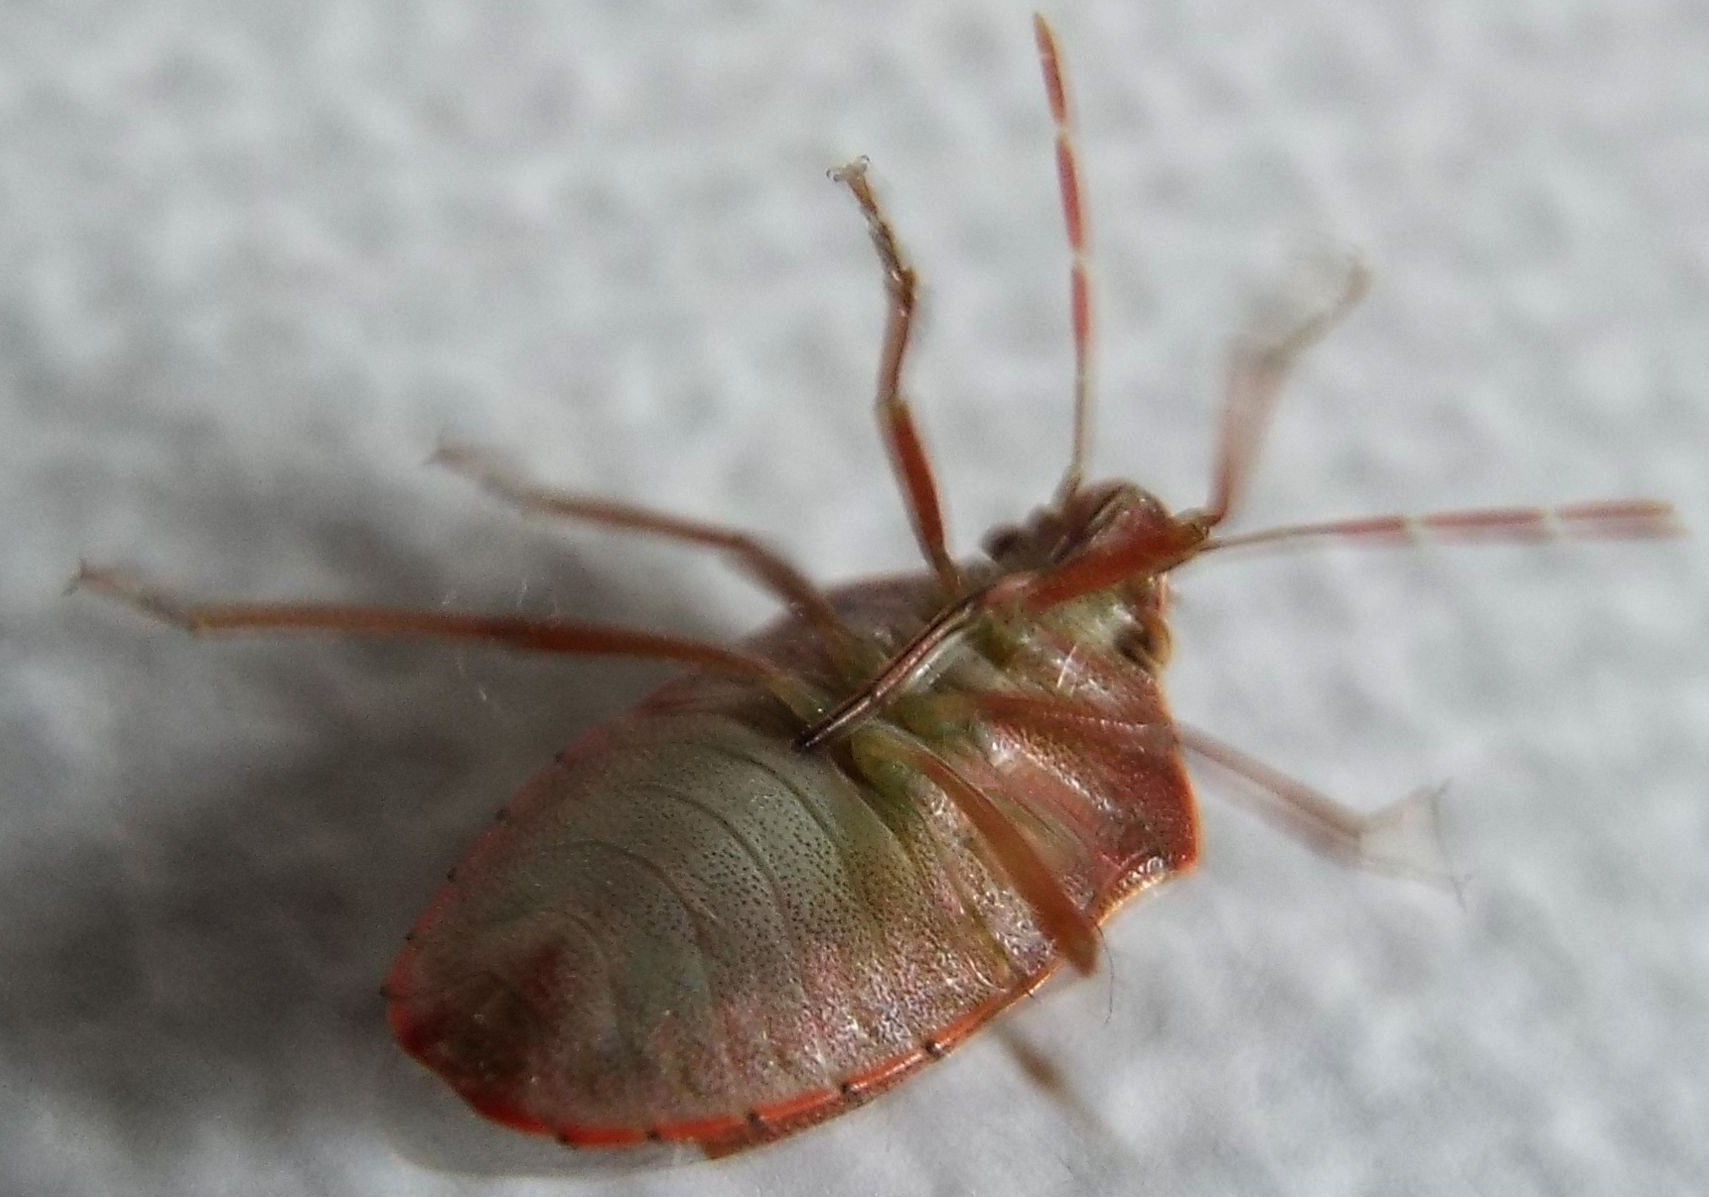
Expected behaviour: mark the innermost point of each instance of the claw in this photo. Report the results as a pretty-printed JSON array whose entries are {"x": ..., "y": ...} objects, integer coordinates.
[
  {"x": 1404, "y": 839},
  {"x": 132, "y": 592}
]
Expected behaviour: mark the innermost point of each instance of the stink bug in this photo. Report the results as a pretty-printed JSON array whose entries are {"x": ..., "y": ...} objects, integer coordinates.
[{"x": 829, "y": 854}]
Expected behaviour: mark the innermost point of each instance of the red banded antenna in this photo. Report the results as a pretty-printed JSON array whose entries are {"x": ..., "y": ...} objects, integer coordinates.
[{"x": 1074, "y": 219}]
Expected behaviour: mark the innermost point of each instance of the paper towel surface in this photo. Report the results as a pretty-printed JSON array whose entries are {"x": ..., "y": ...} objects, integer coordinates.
[{"x": 259, "y": 259}]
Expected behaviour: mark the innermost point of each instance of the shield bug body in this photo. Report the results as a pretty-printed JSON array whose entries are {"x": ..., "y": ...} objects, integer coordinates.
[{"x": 830, "y": 853}]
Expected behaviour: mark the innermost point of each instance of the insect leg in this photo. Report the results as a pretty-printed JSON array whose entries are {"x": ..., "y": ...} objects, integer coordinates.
[
  {"x": 1402, "y": 839},
  {"x": 1079, "y": 244},
  {"x": 1063, "y": 715},
  {"x": 534, "y": 635},
  {"x": 1157, "y": 549},
  {"x": 761, "y": 563},
  {"x": 896, "y": 420},
  {"x": 1147, "y": 551},
  {"x": 1065, "y": 923},
  {"x": 1284, "y": 327}
]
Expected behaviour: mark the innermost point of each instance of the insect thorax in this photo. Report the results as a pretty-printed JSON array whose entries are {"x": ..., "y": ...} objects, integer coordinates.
[
  {"x": 1052, "y": 534},
  {"x": 1089, "y": 519}
]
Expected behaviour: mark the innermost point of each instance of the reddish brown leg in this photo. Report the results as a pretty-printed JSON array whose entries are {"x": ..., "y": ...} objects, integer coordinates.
[
  {"x": 1153, "y": 550},
  {"x": 1390, "y": 840},
  {"x": 896, "y": 420},
  {"x": 1283, "y": 328},
  {"x": 1070, "y": 716},
  {"x": 1403, "y": 839},
  {"x": 534, "y": 635},
  {"x": 1149, "y": 550},
  {"x": 1079, "y": 244},
  {"x": 1074, "y": 934},
  {"x": 765, "y": 566},
  {"x": 1159, "y": 549}
]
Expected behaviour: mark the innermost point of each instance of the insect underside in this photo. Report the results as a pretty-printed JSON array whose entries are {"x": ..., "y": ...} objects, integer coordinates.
[{"x": 825, "y": 856}]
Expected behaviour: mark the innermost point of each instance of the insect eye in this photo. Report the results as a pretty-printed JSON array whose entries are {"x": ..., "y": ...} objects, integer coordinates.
[
  {"x": 1107, "y": 513},
  {"x": 1001, "y": 542},
  {"x": 1146, "y": 643},
  {"x": 1135, "y": 644}
]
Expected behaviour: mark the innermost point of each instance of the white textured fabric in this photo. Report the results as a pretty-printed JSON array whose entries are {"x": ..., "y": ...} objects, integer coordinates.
[{"x": 256, "y": 258}]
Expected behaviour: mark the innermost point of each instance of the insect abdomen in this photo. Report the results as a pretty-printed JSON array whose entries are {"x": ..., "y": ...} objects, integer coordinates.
[
  {"x": 684, "y": 922},
  {"x": 687, "y": 927}
]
